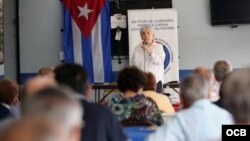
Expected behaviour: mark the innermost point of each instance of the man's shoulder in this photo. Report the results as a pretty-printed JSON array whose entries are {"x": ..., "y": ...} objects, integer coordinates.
[{"x": 95, "y": 107}]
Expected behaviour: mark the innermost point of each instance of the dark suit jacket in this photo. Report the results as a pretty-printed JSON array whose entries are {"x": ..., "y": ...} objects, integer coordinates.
[
  {"x": 101, "y": 124},
  {"x": 4, "y": 112},
  {"x": 219, "y": 103}
]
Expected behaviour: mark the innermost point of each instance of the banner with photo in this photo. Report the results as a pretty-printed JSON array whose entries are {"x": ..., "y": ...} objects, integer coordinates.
[{"x": 164, "y": 22}]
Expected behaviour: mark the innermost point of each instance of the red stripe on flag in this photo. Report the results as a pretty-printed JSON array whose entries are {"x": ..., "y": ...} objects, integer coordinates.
[{"x": 84, "y": 24}]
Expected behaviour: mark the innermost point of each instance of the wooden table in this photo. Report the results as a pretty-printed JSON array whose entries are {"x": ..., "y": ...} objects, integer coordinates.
[
  {"x": 102, "y": 86},
  {"x": 172, "y": 85}
]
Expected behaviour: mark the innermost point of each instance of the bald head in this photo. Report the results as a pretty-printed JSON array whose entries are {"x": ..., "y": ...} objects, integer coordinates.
[
  {"x": 206, "y": 73},
  {"x": 37, "y": 83},
  {"x": 46, "y": 71}
]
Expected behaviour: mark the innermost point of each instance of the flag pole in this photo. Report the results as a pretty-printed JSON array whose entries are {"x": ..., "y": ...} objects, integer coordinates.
[{"x": 17, "y": 44}]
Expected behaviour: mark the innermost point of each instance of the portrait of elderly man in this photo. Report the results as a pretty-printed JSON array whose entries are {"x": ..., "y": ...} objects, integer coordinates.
[{"x": 149, "y": 55}]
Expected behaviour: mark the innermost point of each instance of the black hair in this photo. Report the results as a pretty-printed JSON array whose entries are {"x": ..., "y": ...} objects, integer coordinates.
[
  {"x": 72, "y": 75},
  {"x": 131, "y": 78}
]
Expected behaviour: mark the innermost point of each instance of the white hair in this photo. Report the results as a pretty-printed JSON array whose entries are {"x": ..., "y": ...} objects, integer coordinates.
[
  {"x": 221, "y": 68},
  {"x": 194, "y": 87},
  {"x": 148, "y": 27},
  {"x": 55, "y": 103}
]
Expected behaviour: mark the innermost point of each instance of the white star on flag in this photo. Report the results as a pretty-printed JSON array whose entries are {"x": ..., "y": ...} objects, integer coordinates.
[{"x": 84, "y": 11}]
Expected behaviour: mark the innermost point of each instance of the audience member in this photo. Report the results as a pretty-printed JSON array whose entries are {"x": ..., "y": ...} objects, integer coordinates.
[
  {"x": 32, "y": 86},
  {"x": 199, "y": 120},
  {"x": 101, "y": 124},
  {"x": 57, "y": 104},
  {"x": 131, "y": 106},
  {"x": 9, "y": 93},
  {"x": 221, "y": 68},
  {"x": 236, "y": 95},
  {"x": 220, "y": 102},
  {"x": 46, "y": 71},
  {"x": 37, "y": 83},
  {"x": 207, "y": 74},
  {"x": 149, "y": 90},
  {"x": 33, "y": 129}
]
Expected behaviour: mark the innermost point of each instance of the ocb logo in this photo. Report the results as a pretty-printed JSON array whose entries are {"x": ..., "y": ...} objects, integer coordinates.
[{"x": 236, "y": 132}]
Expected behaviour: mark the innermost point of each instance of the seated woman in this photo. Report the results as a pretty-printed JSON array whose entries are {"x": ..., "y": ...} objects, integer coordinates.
[
  {"x": 132, "y": 107},
  {"x": 161, "y": 100}
]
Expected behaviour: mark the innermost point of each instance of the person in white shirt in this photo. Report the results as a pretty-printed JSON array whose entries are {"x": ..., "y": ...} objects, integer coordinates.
[
  {"x": 149, "y": 56},
  {"x": 221, "y": 68},
  {"x": 198, "y": 120}
]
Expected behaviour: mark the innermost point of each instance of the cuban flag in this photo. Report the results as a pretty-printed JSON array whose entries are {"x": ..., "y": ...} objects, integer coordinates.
[{"x": 87, "y": 37}]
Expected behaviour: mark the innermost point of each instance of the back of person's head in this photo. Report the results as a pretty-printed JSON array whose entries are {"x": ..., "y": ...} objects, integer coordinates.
[
  {"x": 236, "y": 91},
  {"x": 9, "y": 92},
  {"x": 221, "y": 67},
  {"x": 57, "y": 103},
  {"x": 72, "y": 75},
  {"x": 35, "y": 84},
  {"x": 151, "y": 82},
  {"x": 46, "y": 71},
  {"x": 206, "y": 73},
  {"x": 221, "y": 92},
  {"x": 33, "y": 129},
  {"x": 131, "y": 78},
  {"x": 193, "y": 88}
]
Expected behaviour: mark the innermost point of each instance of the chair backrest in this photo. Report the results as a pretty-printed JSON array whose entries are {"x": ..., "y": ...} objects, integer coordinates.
[{"x": 127, "y": 123}]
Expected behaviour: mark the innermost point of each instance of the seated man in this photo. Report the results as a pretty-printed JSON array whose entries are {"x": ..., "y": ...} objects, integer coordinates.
[
  {"x": 101, "y": 123},
  {"x": 199, "y": 120},
  {"x": 9, "y": 92},
  {"x": 56, "y": 103},
  {"x": 236, "y": 95},
  {"x": 46, "y": 71},
  {"x": 33, "y": 129}
]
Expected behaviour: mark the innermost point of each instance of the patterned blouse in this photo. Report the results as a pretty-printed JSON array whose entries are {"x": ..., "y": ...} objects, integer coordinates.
[{"x": 137, "y": 108}]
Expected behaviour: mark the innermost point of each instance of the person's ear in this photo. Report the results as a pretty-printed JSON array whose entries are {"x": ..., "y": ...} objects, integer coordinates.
[
  {"x": 88, "y": 90},
  {"x": 183, "y": 103},
  {"x": 15, "y": 100}
]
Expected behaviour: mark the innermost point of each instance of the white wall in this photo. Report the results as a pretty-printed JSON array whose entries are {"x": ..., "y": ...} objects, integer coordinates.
[
  {"x": 2, "y": 69},
  {"x": 40, "y": 35},
  {"x": 199, "y": 42},
  {"x": 202, "y": 44},
  {"x": 9, "y": 40}
]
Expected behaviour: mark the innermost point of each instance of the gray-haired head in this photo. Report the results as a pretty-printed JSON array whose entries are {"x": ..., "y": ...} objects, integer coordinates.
[
  {"x": 147, "y": 34},
  {"x": 147, "y": 27},
  {"x": 56, "y": 103},
  {"x": 236, "y": 95},
  {"x": 193, "y": 88},
  {"x": 221, "y": 68},
  {"x": 206, "y": 73},
  {"x": 33, "y": 129}
]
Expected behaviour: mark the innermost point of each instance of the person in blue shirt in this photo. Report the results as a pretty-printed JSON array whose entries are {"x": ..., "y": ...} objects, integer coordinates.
[{"x": 198, "y": 120}]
